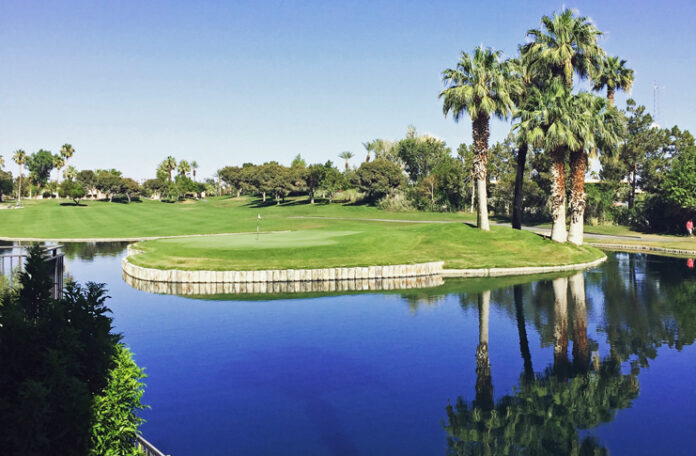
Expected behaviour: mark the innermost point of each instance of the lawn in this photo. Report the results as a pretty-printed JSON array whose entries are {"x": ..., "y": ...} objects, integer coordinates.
[
  {"x": 344, "y": 243},
  {"x": 49, "y": 219}
]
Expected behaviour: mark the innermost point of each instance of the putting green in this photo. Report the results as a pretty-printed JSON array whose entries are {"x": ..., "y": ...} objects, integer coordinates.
[{"x": 254, "y": 241}]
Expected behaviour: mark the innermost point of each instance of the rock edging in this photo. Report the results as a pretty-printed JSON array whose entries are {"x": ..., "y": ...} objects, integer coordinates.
[
  {"x": 500, "y": 272},
  {"x": 643, "y": 248}
]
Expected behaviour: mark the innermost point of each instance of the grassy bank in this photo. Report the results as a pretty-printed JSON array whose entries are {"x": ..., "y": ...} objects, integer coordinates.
[{"x": 330, "y": 243}]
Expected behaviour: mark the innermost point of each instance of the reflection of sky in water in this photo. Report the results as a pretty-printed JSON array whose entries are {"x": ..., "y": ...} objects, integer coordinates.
[{"x": 365, "y": 374}]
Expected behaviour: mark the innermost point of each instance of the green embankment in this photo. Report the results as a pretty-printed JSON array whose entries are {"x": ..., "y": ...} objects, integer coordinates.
[{"x": 294, "y": 235}]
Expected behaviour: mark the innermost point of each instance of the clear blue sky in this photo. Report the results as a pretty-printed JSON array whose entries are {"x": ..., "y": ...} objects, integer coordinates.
[{"x": 130, "y": 82}]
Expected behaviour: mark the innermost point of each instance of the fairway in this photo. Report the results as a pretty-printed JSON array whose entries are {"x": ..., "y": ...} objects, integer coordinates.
[{"x": 49, "y": 219}]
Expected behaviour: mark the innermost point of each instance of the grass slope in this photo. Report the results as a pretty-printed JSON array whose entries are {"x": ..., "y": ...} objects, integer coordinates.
[{"x": 354, "y": 243}]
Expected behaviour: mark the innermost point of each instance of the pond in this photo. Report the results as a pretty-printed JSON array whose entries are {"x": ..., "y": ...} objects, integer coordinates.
[{"x": 595, "y": 361}]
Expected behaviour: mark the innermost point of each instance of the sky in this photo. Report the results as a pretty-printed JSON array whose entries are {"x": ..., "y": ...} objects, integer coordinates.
[{"x": 128, "y": 83}]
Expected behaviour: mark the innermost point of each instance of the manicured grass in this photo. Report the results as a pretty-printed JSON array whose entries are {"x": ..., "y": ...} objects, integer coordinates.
[
  {"x": 330, "y": 243},
  {"x": 48, "y": 219}
]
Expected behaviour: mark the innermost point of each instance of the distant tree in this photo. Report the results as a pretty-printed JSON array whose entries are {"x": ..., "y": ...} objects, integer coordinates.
[
  {"x": 232, "y": 176},
  {"x": 20, "y": 157},
  {"x": 6, "y": 184},
  {"x": 67, "y": 151},
  {"x": 70, "y": 172},
  {"x": 40, "y": 165},
  {"x": 346, "y": 155},
  {"x": 314, "y": 177},
  {"x": 298, "y": 161},
  {"x": 130, "y": 188},
  {"x": 184, "y": 168},
  {"x": 88, "y": 179},
  {"x": 169, "y": 164},
  {"x": 194, "y": 168},
  {"x": 613, "y": 75},
  {"x": 73, "y": 190},
  {"x": 419, "y": 154},
  {"x": 369, "y": 147},
  {"x": 680, "y": 181},
  {"x": 153, "y": 187},
  {"x": 58, "y": 164},
  {"x": 332, "y": 180},
  {"x": 108, "y": 182},
  {"x": 379, "y": 178}
]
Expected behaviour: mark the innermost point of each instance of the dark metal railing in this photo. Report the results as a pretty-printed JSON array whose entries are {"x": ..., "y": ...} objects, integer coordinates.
[
  {"x": 146, "y": 447},
  {"x": 11, "y": 264}
]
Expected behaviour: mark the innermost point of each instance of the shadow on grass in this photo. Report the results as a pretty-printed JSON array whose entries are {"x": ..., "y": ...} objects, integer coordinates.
[{"x": 73, "y": 204}]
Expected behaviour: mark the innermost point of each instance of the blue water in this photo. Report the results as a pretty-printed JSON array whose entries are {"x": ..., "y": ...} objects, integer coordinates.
[{"x": 373, "y": 374}]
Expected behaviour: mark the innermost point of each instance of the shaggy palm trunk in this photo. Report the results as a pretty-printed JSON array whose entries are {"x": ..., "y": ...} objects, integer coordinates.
[
  {"x": 19, "y": 193},
  {"x": 519, "y": 180},
  {"x": 522, "y": 334},
  {"x": 347, "y": 167},
  {"x": 560, "y": 327},
  {"x": 610, "y": 96},
  {"x": 484, "y": 383},
  {"x": 581, "y": 351},
  {"x": 558, "y": 211},
  {"x": 480, "y": 134},
  {"x": 578, "y": 167}
]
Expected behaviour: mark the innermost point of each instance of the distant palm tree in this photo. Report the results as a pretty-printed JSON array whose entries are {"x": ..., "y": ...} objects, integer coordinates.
[
  {"x": 346, "y": 156},
  {"x": 58, "y": 164},
  {"x": 369, "y": 147},
  {"x": 69, "y": 173},
  {"x": 2, "y": 162},
  {"x": 194, "y": 167},
  {"x": 67, "y": 151},
  {"x": 480, "y": 86},
  {"x": 613, "y": 75},
  {"x": 20, "y": 157},
  {"x": 184, "y": 168},
  {"x": 566, "y": 44},
  {"x": 170, "y": 165}
]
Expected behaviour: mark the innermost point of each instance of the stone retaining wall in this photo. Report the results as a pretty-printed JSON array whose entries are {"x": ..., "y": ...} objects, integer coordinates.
[
  {"x": 499, "y": 272},
  {"x": 281, "y": 275},
  {"x": 177, "y": 288}
]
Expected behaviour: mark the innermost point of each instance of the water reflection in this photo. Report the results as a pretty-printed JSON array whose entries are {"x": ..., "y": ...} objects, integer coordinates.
[{"x": 547, "y": 410}]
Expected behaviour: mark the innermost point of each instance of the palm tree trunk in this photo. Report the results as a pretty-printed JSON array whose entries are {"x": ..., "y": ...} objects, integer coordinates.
[
  {"x": 347, "y": 167},
  {"x": 484, "y": 383},
  {"x": 19, "y": 194},
  {"x": 480, "y": 134},
  {"x": 522, "y": 333},
  {"x": 610, "y": 96},
  {"x": 578, "y": 167},
  {"x": 558, "y": 211},
  {"x": 560, "y": 327},
  {"x": 581, "y": 351},
  {"x": 519, "y": 180},
  {"x": 473, "y": 193},
  {"x": 632, "y": 194}
]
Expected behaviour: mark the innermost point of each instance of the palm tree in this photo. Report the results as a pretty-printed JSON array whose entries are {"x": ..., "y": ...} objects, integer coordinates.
[
  {"x": 2, "y": 162},
  {"x": 602, "y": 128},
  {"x": 67, "y": 151},
  {"x": 184, "y": 168},
  {"x": 548, "y": 119},
  {"x": 480, "y": 86},
  {"x": 613, "y": 75},
  {"x": 20, "y": 157},
  {"x": 346, "y": 156},
  {"x": 70, "y": 173},
  {"x": 369, "y": 147},
  {"x": 560, "y": 326},
  {"x": 566, "y": 44},
  {"x": 194, "y": 167},
  {"x": 581, "y": 348},
  {"x": 170, "y": 165},
  {"x": 58, "y": 163}
]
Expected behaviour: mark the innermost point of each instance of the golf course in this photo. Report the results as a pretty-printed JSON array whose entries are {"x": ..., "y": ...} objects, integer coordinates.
[{"x": 221, "y": 234}]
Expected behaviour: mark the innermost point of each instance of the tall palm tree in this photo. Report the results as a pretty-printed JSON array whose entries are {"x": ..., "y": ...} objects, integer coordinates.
[
  {"x": 565, "y": 44},
  {"x": 170, "y": 165},
  {"x": 613, "y": 75},
  {"x": 602, "y": 126},
  {"x": 194, "y": 167},
  {"x": 67, "y": 151},
  {"x": 20, "y": 157},
  {"x": 480, "y": 86},
  {"x": 548, "y": 119},
  {"x": 581, "y": 348},
  {"x": 346, "y": 156}
]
